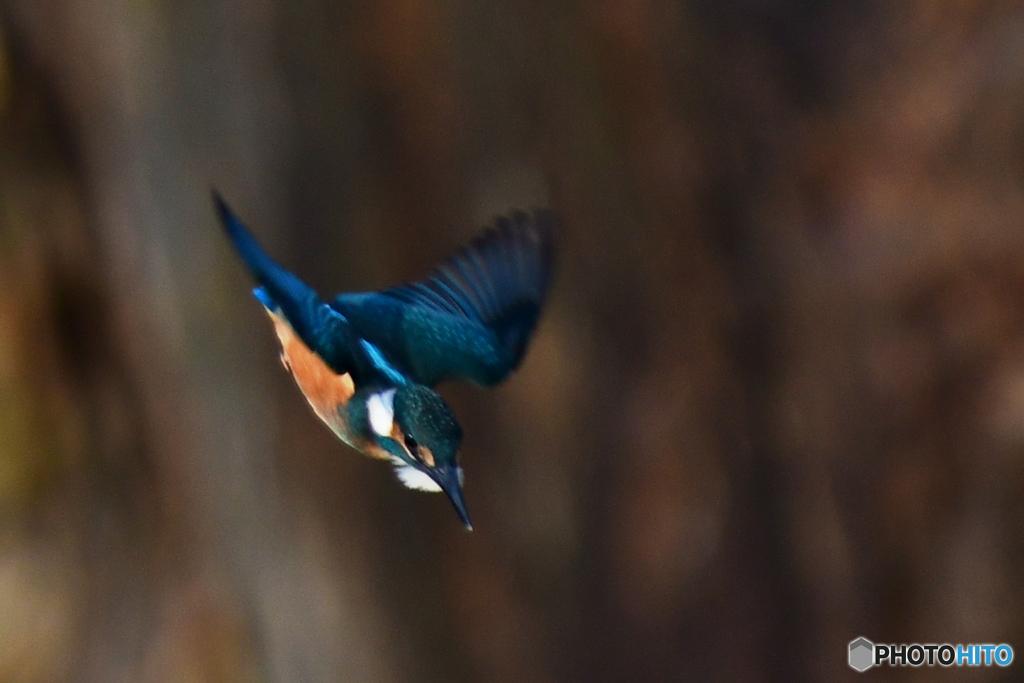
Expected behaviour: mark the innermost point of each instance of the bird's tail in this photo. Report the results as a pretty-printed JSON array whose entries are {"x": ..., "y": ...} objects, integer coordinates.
[{"x": 280, "y": 290}]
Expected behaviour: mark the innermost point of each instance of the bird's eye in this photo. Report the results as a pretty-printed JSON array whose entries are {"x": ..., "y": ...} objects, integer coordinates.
[{"x": 411, "y": 444}]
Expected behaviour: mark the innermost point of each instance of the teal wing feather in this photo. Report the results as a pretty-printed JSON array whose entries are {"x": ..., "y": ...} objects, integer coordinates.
[{"x": 472, "y": 317}]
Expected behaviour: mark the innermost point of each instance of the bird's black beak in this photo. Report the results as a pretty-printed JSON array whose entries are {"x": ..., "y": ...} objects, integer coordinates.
[{"x": 447, "y": 477}]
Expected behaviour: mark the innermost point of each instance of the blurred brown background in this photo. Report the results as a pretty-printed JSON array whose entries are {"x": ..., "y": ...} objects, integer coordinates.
[{"x": 776, "y": 402}]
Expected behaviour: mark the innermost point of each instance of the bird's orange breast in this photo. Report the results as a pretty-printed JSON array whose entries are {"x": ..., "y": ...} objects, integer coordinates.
[{"x": 326, "y": 391}]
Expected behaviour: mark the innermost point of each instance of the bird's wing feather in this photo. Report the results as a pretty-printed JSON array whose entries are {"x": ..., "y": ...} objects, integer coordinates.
[
  {"x": 471, "y": 318},
  {"x": 323, "y": 329}
]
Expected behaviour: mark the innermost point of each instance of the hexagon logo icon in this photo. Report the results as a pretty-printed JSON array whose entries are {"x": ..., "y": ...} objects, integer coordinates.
[{"x": 862, "y": 654}]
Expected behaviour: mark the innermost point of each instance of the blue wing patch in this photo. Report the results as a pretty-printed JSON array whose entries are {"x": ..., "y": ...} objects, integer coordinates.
[
  {"x": 472, "y": 317},
  {"x": 499, "y": 280},
  {"x": 381, "y": 364},
  {"x": 264, "y": 297}
]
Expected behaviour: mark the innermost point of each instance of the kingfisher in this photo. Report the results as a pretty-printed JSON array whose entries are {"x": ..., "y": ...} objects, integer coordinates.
[{"x": 368, "y": 363}]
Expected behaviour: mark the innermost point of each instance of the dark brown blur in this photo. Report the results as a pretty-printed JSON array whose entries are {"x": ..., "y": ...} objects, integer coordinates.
[{"x": 776, "y": 401}]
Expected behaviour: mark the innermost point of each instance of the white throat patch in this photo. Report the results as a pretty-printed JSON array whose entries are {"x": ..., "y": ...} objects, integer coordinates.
[
  {"x": 415, "y": 479},
  {"x": 381, "y": 410}
]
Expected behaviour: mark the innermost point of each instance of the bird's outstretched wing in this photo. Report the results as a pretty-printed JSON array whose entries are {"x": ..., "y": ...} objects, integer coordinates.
[
  {"x": 323, "y": 329},
  {"x": 472, "y": 317}
]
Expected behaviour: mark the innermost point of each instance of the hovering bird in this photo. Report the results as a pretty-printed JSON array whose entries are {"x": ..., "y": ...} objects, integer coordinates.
[{"x": 368, "y": 363}]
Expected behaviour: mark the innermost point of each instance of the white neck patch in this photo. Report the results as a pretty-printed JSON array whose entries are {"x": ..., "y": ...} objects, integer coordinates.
[
  {"x": 415, "y": 479},
  {"x": 381, "y": 410}
]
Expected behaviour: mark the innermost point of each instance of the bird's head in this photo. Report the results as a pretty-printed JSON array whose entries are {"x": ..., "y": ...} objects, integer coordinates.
[{"x": 418, "y": 429}]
